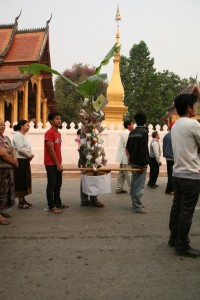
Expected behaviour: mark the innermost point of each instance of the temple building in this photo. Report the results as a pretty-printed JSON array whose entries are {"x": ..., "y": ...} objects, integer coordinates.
[
  {"x": 26, "y": 96},
  {"x": 115, "y": 109},
  {"x": 171, "y": 115}
]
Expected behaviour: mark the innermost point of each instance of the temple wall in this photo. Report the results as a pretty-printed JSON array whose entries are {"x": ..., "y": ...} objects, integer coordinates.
[{"x": 69, "y": 146}]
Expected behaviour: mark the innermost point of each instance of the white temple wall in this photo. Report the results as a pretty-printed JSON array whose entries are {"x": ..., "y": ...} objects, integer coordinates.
[{"x": 69, "y": 146}]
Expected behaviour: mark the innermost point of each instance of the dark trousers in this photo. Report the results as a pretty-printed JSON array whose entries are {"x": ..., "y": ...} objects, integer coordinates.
[
  {"x": 79, "y": 159},
  {"x": 86, "y": 199},
  {"x": 54, "y": 183},
  {"x": 154, "y": 171},
  {"x": 186, "y": 194},
  {"x": 170, "y": 184}
]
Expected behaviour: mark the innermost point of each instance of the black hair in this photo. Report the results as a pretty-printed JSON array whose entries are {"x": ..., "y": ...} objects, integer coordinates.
[
  {"x": 52, "y": 115},
  {"x": 154, "y": 134},
  {"x": 127, "y": 123},
  {"x": 20, "y": 123},
  {"x": 78, "y": 131},
  {"x": 183, "y": 101},
  {"x": 140, "y": 118}
]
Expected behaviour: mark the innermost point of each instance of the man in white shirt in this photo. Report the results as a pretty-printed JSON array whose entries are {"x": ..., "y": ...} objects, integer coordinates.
[
  {"x": 186, "y": 174},
  {"x": 122, "y": 159},
  {"x": 154, "y": 160}
]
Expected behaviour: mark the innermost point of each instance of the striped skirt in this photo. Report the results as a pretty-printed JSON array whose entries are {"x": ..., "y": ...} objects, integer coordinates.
[{"x": 7, "y": 190}]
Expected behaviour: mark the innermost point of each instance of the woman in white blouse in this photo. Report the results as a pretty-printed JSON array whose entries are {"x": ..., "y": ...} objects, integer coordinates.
[{"x": 22, "y": 146}]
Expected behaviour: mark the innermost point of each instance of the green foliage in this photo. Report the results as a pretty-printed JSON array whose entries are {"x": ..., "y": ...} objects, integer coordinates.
[
  {"x": 36, "y": 69},
  {"x": 145, "y": 89},
  {"x": 87, "y": 85},
  {"x": 69, "y": 99}
]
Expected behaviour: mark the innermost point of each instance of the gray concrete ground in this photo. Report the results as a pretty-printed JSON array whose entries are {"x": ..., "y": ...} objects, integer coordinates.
[{"x": 95, "y": 253}]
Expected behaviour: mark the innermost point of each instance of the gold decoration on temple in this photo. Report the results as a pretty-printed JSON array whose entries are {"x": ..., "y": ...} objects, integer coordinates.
[{"x": 115, "y": 109}]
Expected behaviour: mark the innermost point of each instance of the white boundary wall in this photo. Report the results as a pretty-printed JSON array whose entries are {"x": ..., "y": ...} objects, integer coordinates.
[{"x": 69, "y": 146}]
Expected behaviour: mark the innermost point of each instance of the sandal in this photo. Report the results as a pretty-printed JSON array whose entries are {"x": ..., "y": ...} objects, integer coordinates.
[
  {"x": 63, "y": 206},
  {"x": 27, "y": 202},
  {"x": 5, "y": 222},
  {"x": 85, "y": 203},
  {"x": 97, "y": 204},
  {"x": 56, "y": 210},
  {"x": 23, "y": 205},
  {"x": 5, "y": 215}
]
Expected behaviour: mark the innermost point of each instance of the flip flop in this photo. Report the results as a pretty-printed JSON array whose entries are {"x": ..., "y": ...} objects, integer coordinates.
[
  {"x": 28, "y": 203},
  {"x": 63, "y": 206},
  {"x": 23, "y": 206},
  {"x": 5, "y": 222},
  {"x": 97, "y": 204},
  {"x": 56, "y": 211},
  {"x": 5, "y": 215}
]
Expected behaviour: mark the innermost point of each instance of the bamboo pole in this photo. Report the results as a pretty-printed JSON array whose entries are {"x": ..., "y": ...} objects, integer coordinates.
[{"x": 104, "y": 169}]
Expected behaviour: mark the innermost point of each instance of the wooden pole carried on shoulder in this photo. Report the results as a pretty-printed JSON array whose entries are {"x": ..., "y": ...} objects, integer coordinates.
[{"x": 104, "y": 169}]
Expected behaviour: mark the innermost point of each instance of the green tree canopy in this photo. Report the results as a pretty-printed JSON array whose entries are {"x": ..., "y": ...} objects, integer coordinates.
[
  {"x": 145, "y": 89},
  {"x": 68, "y": 99}
]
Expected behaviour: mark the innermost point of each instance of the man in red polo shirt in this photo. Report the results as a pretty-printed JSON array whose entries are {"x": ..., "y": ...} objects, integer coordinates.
[{"x": 53, "y": 164}]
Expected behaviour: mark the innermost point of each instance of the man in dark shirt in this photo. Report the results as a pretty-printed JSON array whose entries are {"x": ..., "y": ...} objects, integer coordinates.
[{"x": 138, "y": 153}]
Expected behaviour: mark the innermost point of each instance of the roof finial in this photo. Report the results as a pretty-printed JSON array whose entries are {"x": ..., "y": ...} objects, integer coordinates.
[
  {"x": 16, "y": 19},
  {"x": 117, "y": 18},
  {"x": 47, "y": 22}
]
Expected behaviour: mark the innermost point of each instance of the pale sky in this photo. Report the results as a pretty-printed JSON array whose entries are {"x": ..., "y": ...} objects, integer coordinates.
[{"x": 84, "y": 31}]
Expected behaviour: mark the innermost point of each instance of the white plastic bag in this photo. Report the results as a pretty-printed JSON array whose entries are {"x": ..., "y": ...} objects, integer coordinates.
[{"x": 96, "y": 185}]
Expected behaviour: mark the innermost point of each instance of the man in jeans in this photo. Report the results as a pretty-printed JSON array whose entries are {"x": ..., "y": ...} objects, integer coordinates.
[
  {"x": 138, "y": 154},
  {"x": 53, "y": 164},
  {"x": 168, "y": 154},
  {"x": 186, "y": 174}
]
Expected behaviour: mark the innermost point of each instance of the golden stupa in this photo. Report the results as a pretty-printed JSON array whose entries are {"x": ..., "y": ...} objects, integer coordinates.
[{"x": 115, "y": 109}]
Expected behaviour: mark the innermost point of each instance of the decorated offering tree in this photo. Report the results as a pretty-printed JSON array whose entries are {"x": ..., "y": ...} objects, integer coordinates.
[{"x": 91, "y": 114}]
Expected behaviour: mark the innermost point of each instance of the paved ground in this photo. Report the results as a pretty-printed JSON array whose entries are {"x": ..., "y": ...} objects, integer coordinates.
[{"x": 92, "y": 254}]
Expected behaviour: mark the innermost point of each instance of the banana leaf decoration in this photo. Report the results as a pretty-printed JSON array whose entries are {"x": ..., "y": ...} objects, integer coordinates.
[
  {"x": 115, "y": 49},
  {"x": 89, "y": 86}
]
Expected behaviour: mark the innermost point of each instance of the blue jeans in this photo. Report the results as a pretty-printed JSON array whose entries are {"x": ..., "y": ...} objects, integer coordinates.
[
  {"x": 54, "y": 183},
  {"x": 137, "y": 187}
]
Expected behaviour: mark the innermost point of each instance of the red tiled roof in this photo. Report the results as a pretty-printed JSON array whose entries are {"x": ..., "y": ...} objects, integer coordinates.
[
  {"x": 190, "y": 89},
  {"x": 10, "y": 72},
  {"x": 23, "y": 48},
  {"x": 11, "y": 86},
  {"x": 5, "y": 36},
  {"x": 26, "y": 47}
]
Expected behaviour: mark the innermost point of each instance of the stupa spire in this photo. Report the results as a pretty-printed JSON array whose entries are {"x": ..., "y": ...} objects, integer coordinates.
[
  {"x": 118, "y": 19},
  {"x": 115, "y": 109}
]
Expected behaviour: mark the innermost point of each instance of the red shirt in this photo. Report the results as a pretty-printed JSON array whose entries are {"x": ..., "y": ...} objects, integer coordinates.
[{"x": 55, "y": 137}]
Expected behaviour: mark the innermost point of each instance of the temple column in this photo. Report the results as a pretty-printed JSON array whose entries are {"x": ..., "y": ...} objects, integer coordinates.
[
  {"x": 15, "y": 108},
  {"x": 44, "y": 112},
  {"x": 25, "y": 102},
  {"x": 2, "y": 110},
  {"x": 38, "y": 101}
]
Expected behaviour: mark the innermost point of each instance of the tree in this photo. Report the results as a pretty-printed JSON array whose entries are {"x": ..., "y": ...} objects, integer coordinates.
[
  {"x": 170, "y": 85},
  {"x": 140, "y": 82},
  {"x": 145, "y": 89},
  {"x": 68, "y": 99}
]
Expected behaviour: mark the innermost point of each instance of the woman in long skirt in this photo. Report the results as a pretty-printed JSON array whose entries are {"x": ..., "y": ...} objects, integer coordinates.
[{"x": 22, "y": 146}]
